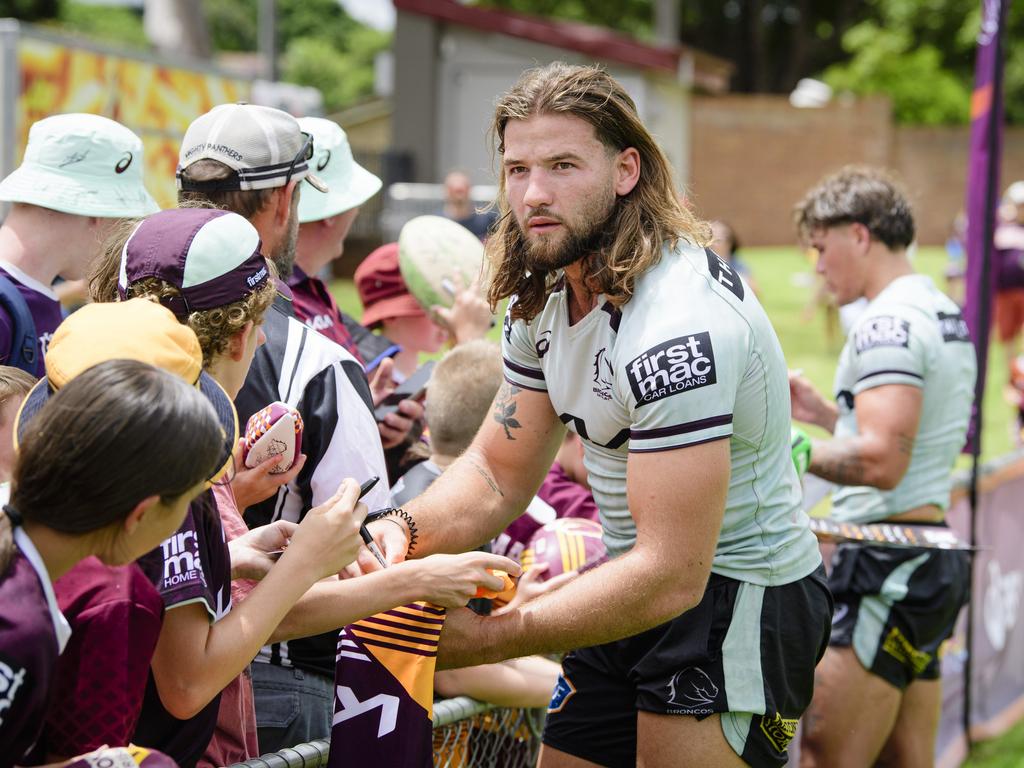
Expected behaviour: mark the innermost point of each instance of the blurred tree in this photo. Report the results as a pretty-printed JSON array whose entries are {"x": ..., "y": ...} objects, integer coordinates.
[
  {"x": 771, "y": 43},
  {"x": 343, "y": 77},
  {"x": 921, "y": 54},
  {"x": 918, "y": 52},
  {"x": 322, "y": 45},
  {"x": 29, "y": 10},
  {"x": 112, "y": 24}
]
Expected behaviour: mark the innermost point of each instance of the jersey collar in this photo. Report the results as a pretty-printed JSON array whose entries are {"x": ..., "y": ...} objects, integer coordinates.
[{"x": 28, "y": 549}]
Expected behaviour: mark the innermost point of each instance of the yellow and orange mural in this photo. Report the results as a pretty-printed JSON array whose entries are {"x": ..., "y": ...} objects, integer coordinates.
[{"x": 157, "y": 102}]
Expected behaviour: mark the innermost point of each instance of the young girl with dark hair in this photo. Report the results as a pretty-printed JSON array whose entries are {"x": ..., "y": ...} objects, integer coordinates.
[{"x": 89, "y": 480}]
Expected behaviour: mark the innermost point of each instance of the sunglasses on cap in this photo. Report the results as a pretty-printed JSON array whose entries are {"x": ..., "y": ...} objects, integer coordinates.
[{"x": 304, "y": 154}]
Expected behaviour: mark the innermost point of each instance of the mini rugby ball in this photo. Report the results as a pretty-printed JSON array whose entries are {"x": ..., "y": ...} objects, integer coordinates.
[
  {"x": 274, "y": 431},
  {"x": 123, "y": 757},
  {"x": 567, "y": 544},
  {"x": 436, "y": 256}
]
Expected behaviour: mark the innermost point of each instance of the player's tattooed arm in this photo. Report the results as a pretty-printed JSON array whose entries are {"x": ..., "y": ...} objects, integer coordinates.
[
  {"x": 880, "y": 452},
  {"x": 492, "y": 484},
  {"x": 839, "y": 461},
  {"x": 505, "y": 408},
  {"x": 860, "y": 460}
]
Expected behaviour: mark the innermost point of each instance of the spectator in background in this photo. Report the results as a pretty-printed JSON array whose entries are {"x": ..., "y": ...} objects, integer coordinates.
[
  {"x": 956, "y": 259},
  {"x": 458, "y": 205},
  {"x": 725, "y": 243},
  {"x": 1008, "y": 310},
  {"x": 324, "y": 223},
  {"x": 81, "y": 173},
  {"x": 14, "y": 385},
  {"x": 389, "y": 307}
]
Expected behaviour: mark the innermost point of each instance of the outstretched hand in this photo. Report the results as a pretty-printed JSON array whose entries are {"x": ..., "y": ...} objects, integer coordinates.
[
  {"x": 254, "y": 553},
  {"x": 328, "y": 538},
  {"x": 469, "y": 317},
  {"x": 452, "y": 581}
]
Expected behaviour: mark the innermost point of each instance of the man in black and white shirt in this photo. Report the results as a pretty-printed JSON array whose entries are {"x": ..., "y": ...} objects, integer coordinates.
[{"x": 253, "y": 160}]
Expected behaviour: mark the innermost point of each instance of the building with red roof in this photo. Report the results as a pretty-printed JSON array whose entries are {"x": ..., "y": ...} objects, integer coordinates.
[{"x": 452, "y": 60}]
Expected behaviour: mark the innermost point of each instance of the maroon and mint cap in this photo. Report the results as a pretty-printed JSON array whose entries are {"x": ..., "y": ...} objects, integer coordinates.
[{"x": 212, "y": 256}]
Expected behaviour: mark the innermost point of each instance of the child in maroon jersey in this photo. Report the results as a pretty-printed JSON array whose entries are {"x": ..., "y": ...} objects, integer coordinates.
[{"x": 89, "y": 480}]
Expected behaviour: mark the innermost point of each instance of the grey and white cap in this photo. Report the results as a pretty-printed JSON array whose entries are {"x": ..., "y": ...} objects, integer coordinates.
[{"x": 265, "y": 147}]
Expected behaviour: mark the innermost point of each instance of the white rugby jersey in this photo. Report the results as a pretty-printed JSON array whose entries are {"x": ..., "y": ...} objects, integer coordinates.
[
  {"x": 911, "y": 333},
  {"x": 690, "y": 358}
]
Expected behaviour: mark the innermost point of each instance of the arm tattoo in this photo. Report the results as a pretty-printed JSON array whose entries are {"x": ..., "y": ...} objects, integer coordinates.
[
  {"x": 505, "y": 408},
  {"x": 486, "y": 476},
  {"x": 842, "y": 465},
  {"x": 906, "y": 444}
]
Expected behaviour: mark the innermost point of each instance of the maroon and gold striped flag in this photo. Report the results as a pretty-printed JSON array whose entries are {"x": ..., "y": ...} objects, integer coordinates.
[{"x": 384, "y": 688}]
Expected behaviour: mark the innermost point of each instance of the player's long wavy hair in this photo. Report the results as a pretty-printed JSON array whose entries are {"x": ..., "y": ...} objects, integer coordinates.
[{"x": 641, "y": 221}]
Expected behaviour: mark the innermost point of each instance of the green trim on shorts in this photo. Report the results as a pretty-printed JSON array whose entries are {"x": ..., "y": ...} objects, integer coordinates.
[
  {"x": 741, "y": 666},
  {"x": 736, "y": 728},
  {"x": 741, "y": 652},
  {"x": 874, "y": 610}
]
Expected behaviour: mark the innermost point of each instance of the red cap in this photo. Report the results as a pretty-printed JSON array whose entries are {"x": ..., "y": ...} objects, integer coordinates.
[{"x": 382, "y": 289}]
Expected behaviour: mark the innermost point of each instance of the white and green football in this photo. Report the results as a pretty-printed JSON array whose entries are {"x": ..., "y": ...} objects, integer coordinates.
[{"x": 436, "y": 257}]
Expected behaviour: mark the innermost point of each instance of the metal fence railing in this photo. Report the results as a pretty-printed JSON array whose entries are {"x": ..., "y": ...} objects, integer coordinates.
[{"x": 467, "y": 734}]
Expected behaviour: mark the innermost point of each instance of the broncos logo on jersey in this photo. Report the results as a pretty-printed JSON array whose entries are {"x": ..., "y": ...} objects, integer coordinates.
[{"x": 603, "y": 374}]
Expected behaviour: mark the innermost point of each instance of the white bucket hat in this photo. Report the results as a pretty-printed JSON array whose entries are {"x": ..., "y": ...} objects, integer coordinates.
[
  {"x": 350, "y": 184},
  {"x": 1014, "y": 193},
  {"x": 81, "y": 164}
]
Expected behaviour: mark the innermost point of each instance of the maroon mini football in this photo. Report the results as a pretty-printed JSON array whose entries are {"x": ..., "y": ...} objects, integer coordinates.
[
  {"x": 274, "y": 431},
  {"x": 123, "y": 757},
  {"x": 566, "y": 544}
]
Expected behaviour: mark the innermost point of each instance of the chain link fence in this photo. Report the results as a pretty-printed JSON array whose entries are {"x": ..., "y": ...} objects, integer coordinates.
[{"x": 467, "y": 734}]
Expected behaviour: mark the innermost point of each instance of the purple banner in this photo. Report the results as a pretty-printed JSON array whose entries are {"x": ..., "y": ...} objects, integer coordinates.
[{"x": 983, "y": 184}]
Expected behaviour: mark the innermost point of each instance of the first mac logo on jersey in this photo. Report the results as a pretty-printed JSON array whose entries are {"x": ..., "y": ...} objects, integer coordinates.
[{"x": 674, "y": 366}]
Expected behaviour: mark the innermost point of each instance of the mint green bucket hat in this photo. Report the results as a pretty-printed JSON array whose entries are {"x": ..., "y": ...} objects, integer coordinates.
[
  {"x": 81, "y": 164},
  {"x": 349, "y": 184}
]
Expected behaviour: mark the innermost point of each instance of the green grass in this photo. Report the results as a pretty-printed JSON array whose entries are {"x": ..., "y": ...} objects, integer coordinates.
[
  {"x": 1005, "y": 752},
  {"x": 785, "y": 284}
]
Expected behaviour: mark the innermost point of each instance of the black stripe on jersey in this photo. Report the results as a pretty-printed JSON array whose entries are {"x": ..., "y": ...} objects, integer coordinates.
[
  {"x": 723, "y": 273},
  {"x": 681, "y": 429},
  {"x": 523, "y": 386},
  {"x": 581, "y": 429},
  {"x": 897, "y": 371},
  {"x": 845, "y": 397},
  {"x": 614, "y": 315},
  {"x": 532, "y": 373},
  {"x": 298, "y": 356},
  {"x": 662, "y": 448}
]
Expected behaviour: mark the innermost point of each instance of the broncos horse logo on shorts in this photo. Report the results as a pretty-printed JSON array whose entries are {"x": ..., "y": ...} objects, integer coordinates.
[{"x": 693, "y": 689}]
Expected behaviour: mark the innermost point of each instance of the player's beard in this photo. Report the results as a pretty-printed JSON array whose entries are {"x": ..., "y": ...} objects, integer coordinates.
[{"x": 582, "y": 238}]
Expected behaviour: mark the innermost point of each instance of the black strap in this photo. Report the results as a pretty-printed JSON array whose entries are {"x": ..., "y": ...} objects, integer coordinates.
[{"x": 14, "y": 515}]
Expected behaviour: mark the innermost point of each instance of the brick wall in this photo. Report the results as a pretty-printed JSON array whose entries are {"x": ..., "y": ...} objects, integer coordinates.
[{"x": 755, "y": 156}]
